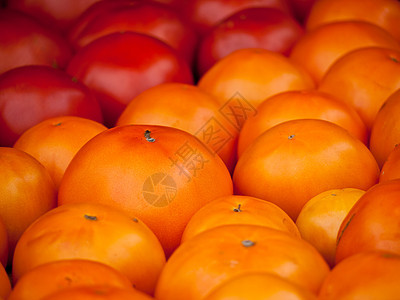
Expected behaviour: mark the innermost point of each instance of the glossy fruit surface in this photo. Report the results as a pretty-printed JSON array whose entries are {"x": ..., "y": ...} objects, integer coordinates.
[
  {"x": 162, "y": 175},
  {"x": 76, "y": 231},
  {"x": 294, "y": 161},
  {"x": 221, "y": 253}
]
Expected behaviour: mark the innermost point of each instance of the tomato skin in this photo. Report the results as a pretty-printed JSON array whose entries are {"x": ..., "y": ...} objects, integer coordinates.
[
  {"x": 56, "y": 13},
  {"x": 31, "y": 94},
  {"x": 116, "y": 69},
  {"x": 373, "y": 223},
  {"x": 204, "y": 14},
  {"x": 155, "y": 19},
  {"x": 25, "y": 41},
  {"x": 257, "y": 27}
]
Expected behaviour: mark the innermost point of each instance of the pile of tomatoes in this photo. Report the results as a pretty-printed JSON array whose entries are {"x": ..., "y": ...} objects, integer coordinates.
[{"x": 202, "y": 149}]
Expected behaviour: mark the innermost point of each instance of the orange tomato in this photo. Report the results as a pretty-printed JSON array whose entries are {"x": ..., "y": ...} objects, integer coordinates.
[
  {"x": 100, "y": 292},
  {"x": 60, "y": 275},
  {"x": 296, "y": 160},
  {"x": 53, "y": 142},
  {"x": 95, "y": 232},
  {"x": 291, "y": 105},
  {"x": 385, "y": 132},
  {"x": 188, "y": 108},
  {"x": 366, "y": 275},
  {"x": 319, "y": 48},
  {"x": 26, "y": 192},
  {"x": 246, "y": 77},
  {"x": 235, "y": 209},
  {"x": 373, "y": 223},
  {"x": 219, "y": 254},
  {"x": 259, "y": 286},
  {"x": 364, "y": 79},
  {"x": 320, "y": 218},
  {"x": 160, "y": 174},
  {"x": 383, "y": 13},
  {"x": 391, "y": 167}
]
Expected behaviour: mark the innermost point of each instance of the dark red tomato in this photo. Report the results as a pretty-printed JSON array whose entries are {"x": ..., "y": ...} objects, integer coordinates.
[
  {"x": 204, "y": 14},
  {"x": 25, "y": 41},
  {"x": 261, "y": 27},
  {"x": 119, "y": 66},
  {"x": 31, "y": 94},
  {"x": 158, "y": 20},
  {"x": 57, "y": 13},
  {"x": 94, "y": 11}
]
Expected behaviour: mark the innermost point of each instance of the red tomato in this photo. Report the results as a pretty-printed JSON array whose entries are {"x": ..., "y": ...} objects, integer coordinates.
[
  {"x": 119, "y": 66},
  {"x": 25, "y": 41},
  {"x": 155, "y": 19},
  {"x": 204, "y": 14},
  {"x": 58, "y": 13},
  {"x": 31, "y": 94},
  {"x": 257, "y": 27}
]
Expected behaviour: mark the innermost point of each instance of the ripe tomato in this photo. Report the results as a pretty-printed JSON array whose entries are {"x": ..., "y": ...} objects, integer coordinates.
[
  {"x": 117, "y": 69},
  {"x": 31, "y": 94},
  {"x": 224, "y": 252},
  {"x": 385, "y": 132},
  {"x": 25, "y": 41},
  {"x": 55, "y": 13},
  {"x": 296, "y": 160},
  {"x": 155, "y": 19},
  {"x": 259, "y": 286},
  {"x": 160, "y": 174},
  {"x": 256, "y": 27},
  {"x": 235, "y": 209},
  {"x": 64, "y": 274},
  {"x": 373, "y": 223},
  {"x": 204, "y": 14},
  {"x": 384, "y": 13},
  {"x": 55, "y": 141},
  {"x": 95, "y": 232},
  {"x": 366, "y": 275},
  {"x": 26, "y": 192}
]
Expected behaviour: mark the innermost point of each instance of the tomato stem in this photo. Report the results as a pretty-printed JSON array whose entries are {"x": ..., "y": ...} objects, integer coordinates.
[
  {"x": 148, "y": 137},
  {"x": 237, "y": 209}
]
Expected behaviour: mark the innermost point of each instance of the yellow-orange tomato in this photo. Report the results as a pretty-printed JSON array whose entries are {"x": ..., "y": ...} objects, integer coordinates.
[
  {"x": 385, "y": 132},
  {"x": 188, "y": 108},
  {"x": 291, "y": 105},
  {"x": 162, "y": 175},
  {"x": 101, "y": 292},
  {"x": 53, "y": 142},
  {"x": 236, "y": 209},
  {"x": 26, "y": 192},
  {"x": 218, "y": 254},
  {"x": 366, "y": 275},
  {"x": 319, "y": 48},
  {"x": 364, "y": 79},
  {"x": 259, "y": 286},
  {"x": 373, "y": 223},
  {"x": 320, "y": 218},
  {"x": 383, "y": 13},
  {"x": 296, "y": 160},
  {"x": 96, "y": 232},
  {"x": 63, "y": 274}
]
